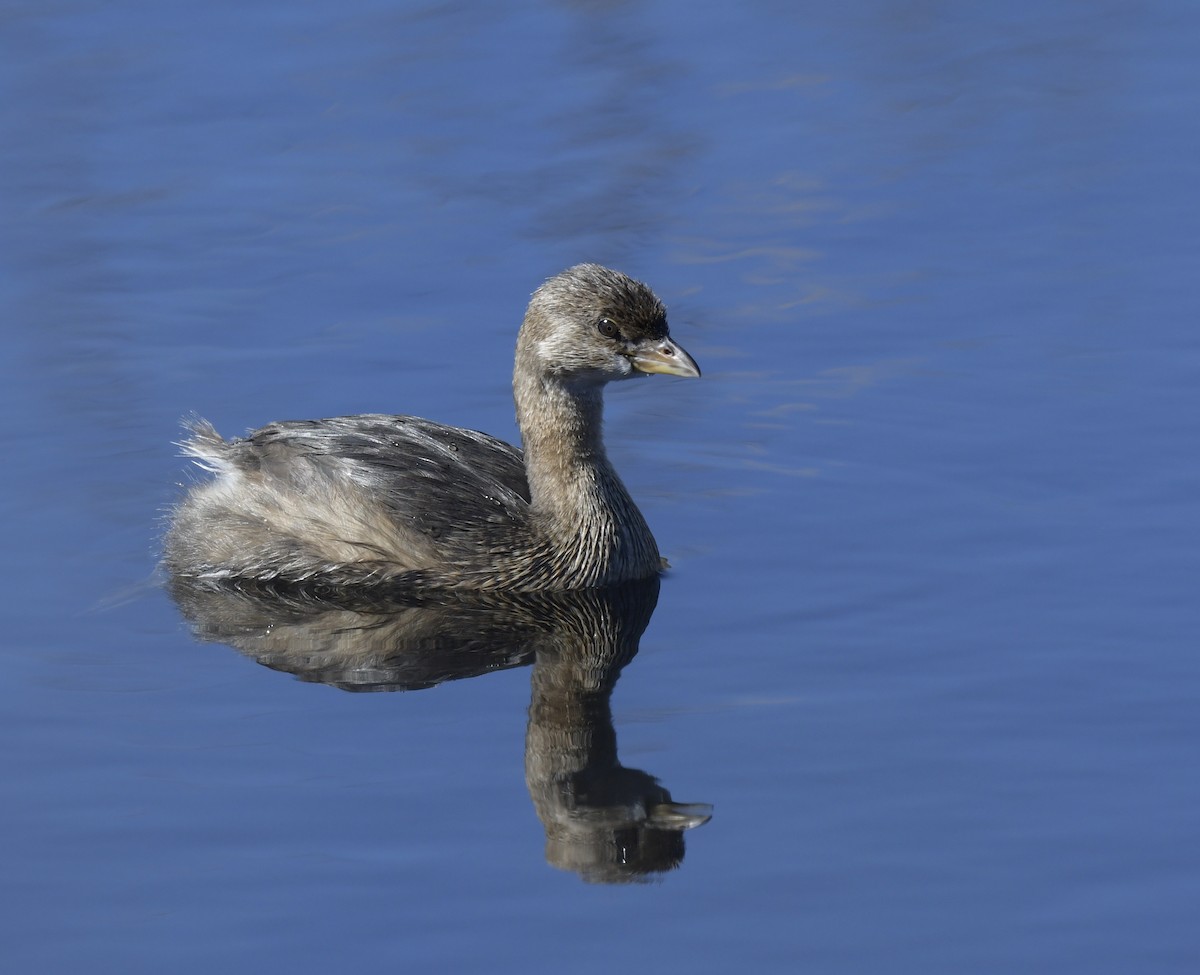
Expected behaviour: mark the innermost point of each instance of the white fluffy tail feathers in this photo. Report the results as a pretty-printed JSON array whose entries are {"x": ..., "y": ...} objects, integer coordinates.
[{"x": 204, "y": 446}]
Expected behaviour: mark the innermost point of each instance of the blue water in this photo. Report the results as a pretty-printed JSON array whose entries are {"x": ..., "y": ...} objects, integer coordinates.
[{"x": 928, "y": 647}]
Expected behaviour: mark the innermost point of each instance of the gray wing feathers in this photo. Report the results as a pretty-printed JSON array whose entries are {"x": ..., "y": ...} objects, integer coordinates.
[{"x": 385, "y": 494}]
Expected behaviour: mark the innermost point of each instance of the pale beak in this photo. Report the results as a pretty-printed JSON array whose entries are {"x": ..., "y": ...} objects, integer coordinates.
[
  {"x": 679, "y": 815},
  {"x": 664, "y": 356}
]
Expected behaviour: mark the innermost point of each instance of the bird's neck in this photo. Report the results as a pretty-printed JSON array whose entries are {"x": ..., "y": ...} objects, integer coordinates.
[
  {"x": 562, "y": 433},
  {"x": 579, "y": 506}
]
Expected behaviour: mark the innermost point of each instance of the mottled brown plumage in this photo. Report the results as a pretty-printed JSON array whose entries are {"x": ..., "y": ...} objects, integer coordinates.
[{"x": 372, "y": 499}]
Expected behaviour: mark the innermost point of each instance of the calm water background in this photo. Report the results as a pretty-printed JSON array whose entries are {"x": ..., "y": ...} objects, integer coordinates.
[{"x": 929, "y": 645}]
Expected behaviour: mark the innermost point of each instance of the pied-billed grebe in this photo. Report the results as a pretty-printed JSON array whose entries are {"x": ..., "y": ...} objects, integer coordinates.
[{"x": 360, "y": 500}]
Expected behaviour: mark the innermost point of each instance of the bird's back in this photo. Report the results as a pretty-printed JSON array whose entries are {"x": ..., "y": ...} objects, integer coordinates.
[{"x": 349, "y": 498}]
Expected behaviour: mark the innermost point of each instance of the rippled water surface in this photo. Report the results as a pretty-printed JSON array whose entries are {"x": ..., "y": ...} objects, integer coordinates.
[{"x": 928, "y": 645}]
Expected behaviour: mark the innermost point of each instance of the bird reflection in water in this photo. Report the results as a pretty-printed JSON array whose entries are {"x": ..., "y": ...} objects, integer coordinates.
[{"x": 605, "y": 822}]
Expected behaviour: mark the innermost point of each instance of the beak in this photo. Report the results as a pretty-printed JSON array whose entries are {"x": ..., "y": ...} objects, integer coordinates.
[
  {"x": 664, "y": 356},
  {"x": 680, "y": 815}
]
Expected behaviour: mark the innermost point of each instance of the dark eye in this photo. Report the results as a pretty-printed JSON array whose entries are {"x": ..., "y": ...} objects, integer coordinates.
[{"x": 606, "y": 327}]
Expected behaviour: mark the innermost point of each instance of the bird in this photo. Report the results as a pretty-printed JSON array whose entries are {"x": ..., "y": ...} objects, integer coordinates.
[{"x": 404, "y": 502}]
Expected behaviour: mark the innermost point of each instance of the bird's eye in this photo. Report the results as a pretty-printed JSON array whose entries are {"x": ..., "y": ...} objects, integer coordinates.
[{"x": 606, "y": 327}]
